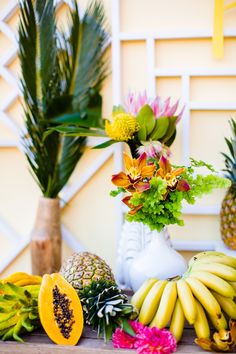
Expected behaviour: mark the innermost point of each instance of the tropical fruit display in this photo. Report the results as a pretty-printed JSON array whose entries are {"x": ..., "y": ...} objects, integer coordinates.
[
  {"x": 228, "y": 208},
  {"x": 105, "y": 306},
  {"x": 204, "y": 296},
  {"x": 50, "y": 302}
]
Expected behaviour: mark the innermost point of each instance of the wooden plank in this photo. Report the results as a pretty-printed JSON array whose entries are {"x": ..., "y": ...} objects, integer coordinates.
[{"x": 39, "y": 343}]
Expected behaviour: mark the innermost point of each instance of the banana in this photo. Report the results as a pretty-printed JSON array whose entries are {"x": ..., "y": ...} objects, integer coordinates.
[
  {"x": 201, "y": 255},
  {"x": 187, "y": 300},
  {"x": 233, "y": 284},
  {"x": 227, "y": 304},
  {"x": 14, "y": 277},
  {"x": 218, "y": 323},
  {"x": 205, "y": 297},
  {"x": 221, "y": 270},
  {"x": 215, "y": 283},
  {"x": 10, "y": 322},
  {"x": 213, "y": 257},
  {"x": 151, "y": 302},
  {"x": 139, "y": 296},
  {"x": 8, "y": 334},
  {"x": 32, "y": 280},
  {"x": 201, "y": 325},
  {"x": 32, "y": 289},
  {"x": 177, "y": 321},
  {"x": 166, "y": 306}
]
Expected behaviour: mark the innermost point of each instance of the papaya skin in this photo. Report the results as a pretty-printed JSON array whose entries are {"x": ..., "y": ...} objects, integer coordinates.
[{"x": 56, "y": 284}]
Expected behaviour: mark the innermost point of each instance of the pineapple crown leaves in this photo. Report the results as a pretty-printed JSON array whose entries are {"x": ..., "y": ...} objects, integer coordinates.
[
  {"x": 61, "y": 75},
  {"x": 105, "y": 307},
  {"x": 230, "y": 159}
]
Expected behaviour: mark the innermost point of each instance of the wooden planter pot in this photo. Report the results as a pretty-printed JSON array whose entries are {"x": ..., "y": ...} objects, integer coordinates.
[{"x": 46, "y": 238}]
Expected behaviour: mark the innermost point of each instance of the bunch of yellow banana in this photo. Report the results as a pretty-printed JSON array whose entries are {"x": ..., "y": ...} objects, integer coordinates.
[
  {"x": 206, "y": 292},
  {"x": 22, "y": 279}
]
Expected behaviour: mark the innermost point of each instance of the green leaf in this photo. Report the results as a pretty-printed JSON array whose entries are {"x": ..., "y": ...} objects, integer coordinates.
[
  {"x": 78, "y": 131},
  {"x": 69, "y": 118},
  {"x": 106, "y": 144},
  {"x": 142, "y": 134},
  {"x": 160, "y": 129},
  {"x": 171, "y": 140},
  {"x": 171, "y": 129},
  {"x": 146, "y": 118},
  {"x": 127, "y": 327}
]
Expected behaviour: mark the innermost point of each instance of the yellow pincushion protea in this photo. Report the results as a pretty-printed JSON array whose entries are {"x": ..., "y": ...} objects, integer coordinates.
[{"x": 122, "y": 127}]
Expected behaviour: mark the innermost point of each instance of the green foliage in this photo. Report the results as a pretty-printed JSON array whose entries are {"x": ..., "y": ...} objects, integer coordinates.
[
  {"x": 162, "y": 206},
  {"x": 117, "y": 191},
  {"x": 61, "y": 75}
]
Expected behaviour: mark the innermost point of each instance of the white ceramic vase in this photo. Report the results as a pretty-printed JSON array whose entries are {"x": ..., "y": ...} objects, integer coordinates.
[{"x": 145, "y": 254}]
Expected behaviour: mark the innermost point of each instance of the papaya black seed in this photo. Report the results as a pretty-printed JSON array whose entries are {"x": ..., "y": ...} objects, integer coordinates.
[{"x": 62, "y": 312}]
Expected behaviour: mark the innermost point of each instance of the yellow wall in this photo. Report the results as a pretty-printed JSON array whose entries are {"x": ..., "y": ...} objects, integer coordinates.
[{"x": 18, "y": 191}]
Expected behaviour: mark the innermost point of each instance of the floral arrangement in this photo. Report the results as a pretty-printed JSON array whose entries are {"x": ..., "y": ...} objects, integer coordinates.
[
  {"x": 155, "y": 190},
  {"x": 146, "y": 340},
  {"x": 147, "y": 125}
]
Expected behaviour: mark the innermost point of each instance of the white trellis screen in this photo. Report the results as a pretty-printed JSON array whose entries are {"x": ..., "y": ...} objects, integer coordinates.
[
  {"x": 19, "y": 242},
  {"x": 118, "y": 37}
]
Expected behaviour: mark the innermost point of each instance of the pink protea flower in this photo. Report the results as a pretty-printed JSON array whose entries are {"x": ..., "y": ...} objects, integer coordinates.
[
  {"x": 134, "y": 103},
  {"x": 154, "y": 150},
  {"x": 155, "y": 341}
]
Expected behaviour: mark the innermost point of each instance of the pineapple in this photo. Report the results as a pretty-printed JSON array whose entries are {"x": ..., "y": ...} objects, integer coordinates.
[
  {"x": 105, "y": 307},
  {"x": 228, "y": 208},
  {"x": 82, "y": 268}
]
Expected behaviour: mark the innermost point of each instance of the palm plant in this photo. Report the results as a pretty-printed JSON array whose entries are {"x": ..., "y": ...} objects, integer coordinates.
[{"x": 61, "y": 74}]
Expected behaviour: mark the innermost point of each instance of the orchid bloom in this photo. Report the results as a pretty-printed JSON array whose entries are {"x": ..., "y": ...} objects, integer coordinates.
[
  {"x": 160, "y": 108},
  {"x": 168, "y": 173},
  {"x": 138, "y": 174}
]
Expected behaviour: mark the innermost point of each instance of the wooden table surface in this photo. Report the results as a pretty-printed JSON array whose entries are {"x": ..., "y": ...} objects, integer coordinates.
[{"x": 39, "y": 343}]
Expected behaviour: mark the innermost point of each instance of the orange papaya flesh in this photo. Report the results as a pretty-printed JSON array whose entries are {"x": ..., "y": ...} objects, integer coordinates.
[{"x": 60, "y": 310}]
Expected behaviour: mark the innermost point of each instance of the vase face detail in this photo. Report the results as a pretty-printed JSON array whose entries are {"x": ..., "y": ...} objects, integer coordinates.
[
  {"x": 46, "y": 238},
  {"x": 147, "y": 254}
]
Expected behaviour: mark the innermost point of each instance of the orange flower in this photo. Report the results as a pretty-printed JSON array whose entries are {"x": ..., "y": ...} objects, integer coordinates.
[
  {"x": 133, "y": 209},
  {"x": 168, "y": 173},
  {"x": 138, "y": 174}
]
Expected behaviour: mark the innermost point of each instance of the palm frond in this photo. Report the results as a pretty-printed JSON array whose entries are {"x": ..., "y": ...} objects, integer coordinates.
[
  {"x": 27, "y": 53},
  {"x": 54, "y": 72},
  {"x": 87, "y": 42}
]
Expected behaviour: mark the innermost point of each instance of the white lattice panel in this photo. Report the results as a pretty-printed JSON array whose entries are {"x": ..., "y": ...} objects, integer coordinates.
[
  {"x": 185, "y": 74},
  {"x": 19, "y": 243}
]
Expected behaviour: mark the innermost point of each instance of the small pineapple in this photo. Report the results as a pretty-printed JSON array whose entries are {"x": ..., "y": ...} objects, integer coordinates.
[
  {"x": 105, "y": 307},
  {"x": 82, "y": 268},
  {"x": 228, "y": 208}
]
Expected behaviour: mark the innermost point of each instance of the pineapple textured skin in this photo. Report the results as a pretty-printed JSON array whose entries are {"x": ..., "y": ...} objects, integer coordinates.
[
  {"x": 80, "y": 269},
  {"x": 228, "y": 208}
]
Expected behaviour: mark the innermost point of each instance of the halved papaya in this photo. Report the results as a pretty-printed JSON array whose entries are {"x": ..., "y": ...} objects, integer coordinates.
[{"x": 60, "y": 310}]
